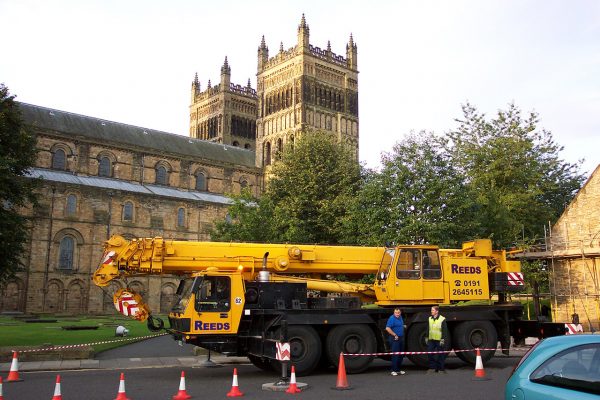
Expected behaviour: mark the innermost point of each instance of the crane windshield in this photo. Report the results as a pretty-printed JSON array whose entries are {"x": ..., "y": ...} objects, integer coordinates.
[
  {"x": 386, "y": 264},
  {"x": 184, "y": 292}
]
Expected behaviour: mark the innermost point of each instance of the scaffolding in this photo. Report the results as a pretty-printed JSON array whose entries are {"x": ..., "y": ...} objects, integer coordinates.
[{"x": 563, "y": 257}]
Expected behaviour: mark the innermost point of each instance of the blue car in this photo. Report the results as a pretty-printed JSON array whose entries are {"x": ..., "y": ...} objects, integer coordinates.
[{"x": 561, "y": 367}]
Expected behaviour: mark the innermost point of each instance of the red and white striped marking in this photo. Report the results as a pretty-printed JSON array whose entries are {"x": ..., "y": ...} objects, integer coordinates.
[
  {"x": 283, "y": 351},
  {"x": 108, "y": 257},
  {"x": 515, "y": 279},
  {"x": 573, "y": 329},
  {"x": 127, "y": 305},
  {"x": 416, "y": 352}
]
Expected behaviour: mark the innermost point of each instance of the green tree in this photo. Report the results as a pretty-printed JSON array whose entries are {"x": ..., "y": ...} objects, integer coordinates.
[
  {"x": 514, "y": 170},
  {"x": 17, "y": 155},
  {"x": 306, "y": 197},
  {"x": 418, "y": 197},
  {"x": 248, "y": 220}
]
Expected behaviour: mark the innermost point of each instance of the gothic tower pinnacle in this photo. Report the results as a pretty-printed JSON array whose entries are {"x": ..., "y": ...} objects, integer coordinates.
[
  {"x": 225, "y": 75},
  {"x": 303, "y": 34},
  {"x": 351, "y": 54},
  {"x": 263, "y": 54},
  {"x": 195, "y": 87}
]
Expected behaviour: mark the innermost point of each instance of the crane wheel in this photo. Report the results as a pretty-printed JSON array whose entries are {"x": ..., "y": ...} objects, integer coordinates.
[
  {"x": 415, "y": 341},
  {"x": 353, "y": 338},
  {"x": 305, "y": 349},
  {"x": 473, "y": 334}
]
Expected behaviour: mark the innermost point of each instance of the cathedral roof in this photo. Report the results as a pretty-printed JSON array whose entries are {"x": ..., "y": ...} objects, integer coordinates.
[
  {"x": 116, "y": 133},
  {"x": 127, "y": 186}
]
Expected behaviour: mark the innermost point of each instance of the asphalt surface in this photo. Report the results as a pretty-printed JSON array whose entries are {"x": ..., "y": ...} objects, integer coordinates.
[
  {"x": 160, "y": 351},
  {"x": 215, "y": 383}
]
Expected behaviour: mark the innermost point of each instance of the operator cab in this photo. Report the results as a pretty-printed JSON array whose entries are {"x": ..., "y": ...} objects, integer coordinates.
[
  {"x": 209, "y": 303},
  {"x": 410, "y": 273}
]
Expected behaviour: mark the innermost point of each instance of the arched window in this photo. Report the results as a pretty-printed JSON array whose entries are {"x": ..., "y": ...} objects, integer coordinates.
[
  {"x": 243, "y": 184},
  {"x": 59, "y": 159},
  {"x": 128, "y": 211},
  {"x": 236, "y": 143},
  {"x": 104, "y": 167},
  {"x": 66, "y": 252},
  {"x": 201, "y": 182},
  {"x": 71, "y": 204},
  {"x": 247, "y": 146},
  {"x": 181, "y": 218},
  {"x": 161, "y": 175}
]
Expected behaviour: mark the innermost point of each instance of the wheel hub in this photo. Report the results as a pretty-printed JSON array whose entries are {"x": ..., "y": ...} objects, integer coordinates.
[
  {"x": 352, "y": 345},
  {"x": 477, "y": 339}
]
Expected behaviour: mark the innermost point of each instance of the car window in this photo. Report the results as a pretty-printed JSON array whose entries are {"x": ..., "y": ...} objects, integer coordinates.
[{"x": 577, "y": 368}]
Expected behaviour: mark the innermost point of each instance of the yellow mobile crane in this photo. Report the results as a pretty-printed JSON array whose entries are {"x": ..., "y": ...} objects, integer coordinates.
[{"x": 241, "y": 298}]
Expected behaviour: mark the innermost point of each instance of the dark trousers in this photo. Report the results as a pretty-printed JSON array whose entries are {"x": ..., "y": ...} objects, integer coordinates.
[
  {"x": 436, "y": 361},
  {"x": 397, "y": 345}
]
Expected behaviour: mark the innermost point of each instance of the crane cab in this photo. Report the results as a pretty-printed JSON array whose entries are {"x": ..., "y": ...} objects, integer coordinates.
[
  {"x": 211, "y": 302},
  {"x": 410, "y": 274}
]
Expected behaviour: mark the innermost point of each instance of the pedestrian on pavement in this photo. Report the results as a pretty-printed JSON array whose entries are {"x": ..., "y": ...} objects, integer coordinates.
[
  {"x": 437, "y": 337},
  {"x": 395, "y": 327}
]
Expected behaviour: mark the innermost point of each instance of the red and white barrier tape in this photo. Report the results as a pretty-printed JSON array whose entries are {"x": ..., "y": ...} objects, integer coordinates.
[
  {"x": 72, "y": 346},
  {"x": 417, "y": 352}
]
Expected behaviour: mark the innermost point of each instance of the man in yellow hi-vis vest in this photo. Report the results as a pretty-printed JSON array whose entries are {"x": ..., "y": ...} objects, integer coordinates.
[{"x": 437, "y": 337}]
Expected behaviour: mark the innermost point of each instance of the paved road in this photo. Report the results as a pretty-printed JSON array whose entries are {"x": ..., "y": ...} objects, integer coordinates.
[
  {"x": 162, "y": 346},
  {"x": 152, "y": 369},
  {"x": 214, "y": 383}
]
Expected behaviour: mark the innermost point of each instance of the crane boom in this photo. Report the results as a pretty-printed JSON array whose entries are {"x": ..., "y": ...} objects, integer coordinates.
[{"x": 158, "y": 256}]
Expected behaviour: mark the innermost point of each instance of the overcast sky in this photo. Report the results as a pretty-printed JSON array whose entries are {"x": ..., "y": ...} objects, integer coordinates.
[{"x": 133, "y": 61}]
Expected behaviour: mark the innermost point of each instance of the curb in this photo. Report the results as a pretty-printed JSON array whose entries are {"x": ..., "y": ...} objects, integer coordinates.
[{"x": 121, "y": 363}]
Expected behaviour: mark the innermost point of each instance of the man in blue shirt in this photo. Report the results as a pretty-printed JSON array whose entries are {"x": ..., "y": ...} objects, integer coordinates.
[{"x": 395, "y": 327}]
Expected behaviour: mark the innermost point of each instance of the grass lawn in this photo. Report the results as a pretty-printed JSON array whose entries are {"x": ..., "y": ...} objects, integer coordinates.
[{"x": 18, "y": 332}]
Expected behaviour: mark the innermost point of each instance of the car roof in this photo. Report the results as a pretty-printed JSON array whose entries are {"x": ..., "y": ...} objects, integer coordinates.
[
  {"x": 550, "y": 346},
  {"x": 570, "y": 340}
]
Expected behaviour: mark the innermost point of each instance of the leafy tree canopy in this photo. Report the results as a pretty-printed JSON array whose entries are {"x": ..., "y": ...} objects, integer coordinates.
[
  {"x": 306, "y": 197},
  {"x": 514, "y": 170},
  {"x": 417, "y": 197},
  {"x": 499, "y": 177},
  {"x": 17, "y": 154}
]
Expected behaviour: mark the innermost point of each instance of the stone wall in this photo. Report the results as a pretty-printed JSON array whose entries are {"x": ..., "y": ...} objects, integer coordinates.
[
  {"x": 575, "y": 239},
  {"x": 51, "y": 284}
]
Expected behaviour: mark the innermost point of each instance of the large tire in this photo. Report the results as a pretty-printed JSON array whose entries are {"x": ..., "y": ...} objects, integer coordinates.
[
  {"x": 475, "y": 334},
  {"x": 415, "y": 341},
  {"x": 262, "y": 363},
  {"x": 305, "y": 349},
  {"x": 354, "y": 338}
]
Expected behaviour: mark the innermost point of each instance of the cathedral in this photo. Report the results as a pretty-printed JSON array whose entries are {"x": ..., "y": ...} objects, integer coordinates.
[{"x": 99, "y": 177}]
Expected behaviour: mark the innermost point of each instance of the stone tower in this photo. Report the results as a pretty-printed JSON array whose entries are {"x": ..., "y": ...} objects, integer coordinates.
[
  {"x": 224, "y": 113},
  {"x": 305, "y": 88}
]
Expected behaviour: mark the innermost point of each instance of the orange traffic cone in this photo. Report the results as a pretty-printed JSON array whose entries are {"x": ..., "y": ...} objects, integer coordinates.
[
  {"x": 479, "y": 371},
  {"x": 13, "y": 374},
  {"x": 182, "y": 394},
  {"x": 57, "y": 395},
  {"x": 235, "y": 391},
  {"x": 293, "y": 389},
  {"x": 1, "y": 397},
  {"x": 121, "y": 395},
  {"x": 342, "y": 381}
]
